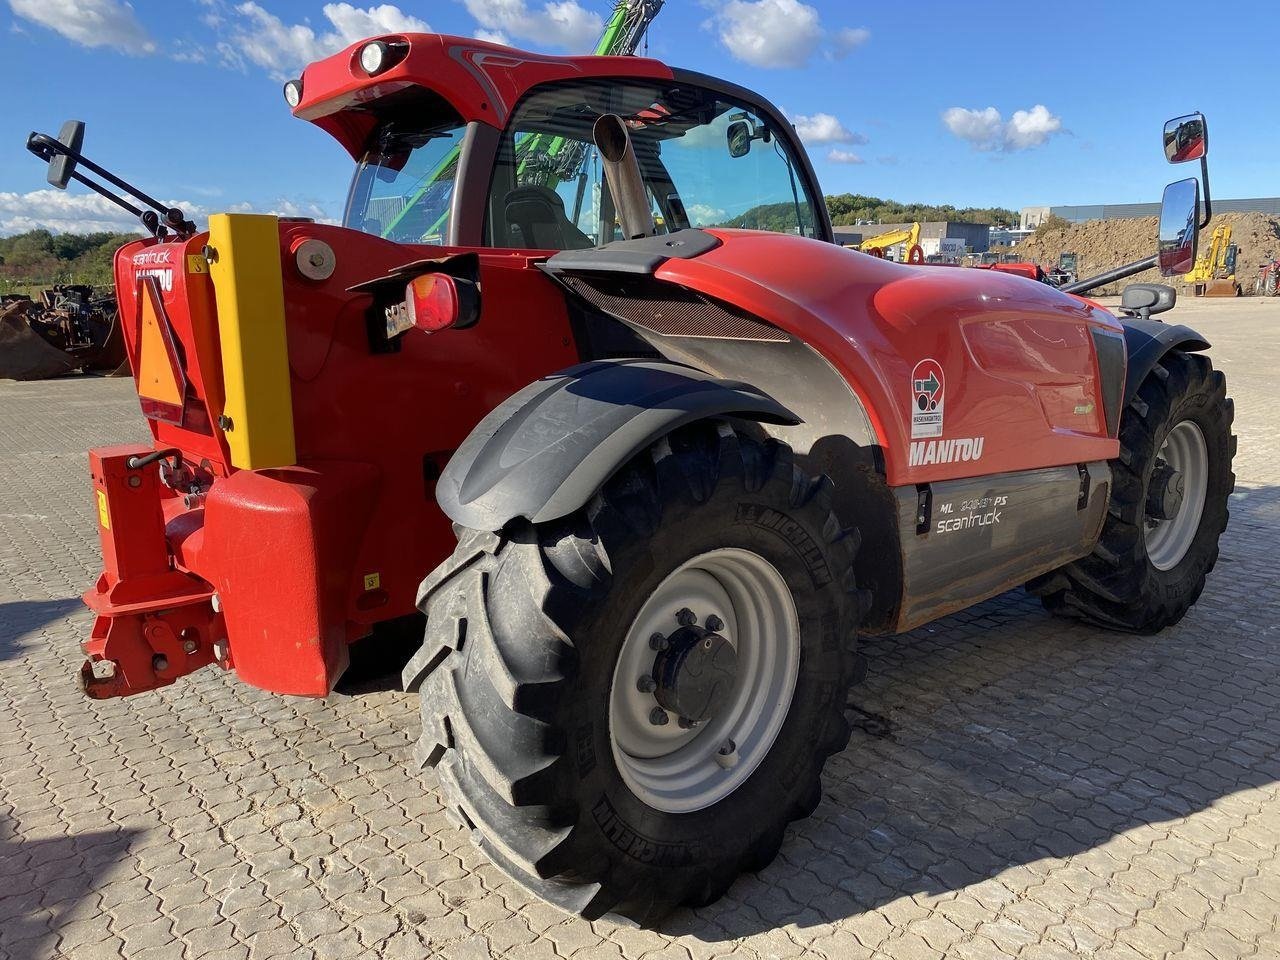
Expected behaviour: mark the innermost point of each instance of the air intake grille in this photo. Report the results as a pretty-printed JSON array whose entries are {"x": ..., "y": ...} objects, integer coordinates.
[{"x": 669, "y": 310}]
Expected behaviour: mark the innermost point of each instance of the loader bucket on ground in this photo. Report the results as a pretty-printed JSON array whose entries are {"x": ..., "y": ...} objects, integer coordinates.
[
  {"x": 110, "y": 358},
  {"x": 24, "y": 354}
]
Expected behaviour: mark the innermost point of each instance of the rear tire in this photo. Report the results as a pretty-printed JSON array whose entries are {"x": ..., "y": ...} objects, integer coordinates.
[
  {"x": 527, "y": 627},
  {"x": 1272, "y": 284},
  {"x": 1145, "y": 573}
]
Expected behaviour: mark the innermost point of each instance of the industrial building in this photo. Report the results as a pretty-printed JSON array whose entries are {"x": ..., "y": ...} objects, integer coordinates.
[{"x": 1031, "y": 217}]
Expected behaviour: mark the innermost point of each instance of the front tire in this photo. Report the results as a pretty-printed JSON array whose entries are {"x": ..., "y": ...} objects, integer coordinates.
[
  {"x": 537, "y": 675},
  {"x": 1170, "y": 487}
]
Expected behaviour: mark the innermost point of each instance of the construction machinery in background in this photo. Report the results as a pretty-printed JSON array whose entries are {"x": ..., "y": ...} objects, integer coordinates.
[
  {"x": 884, "y": 244},
  {"x": 69, "y": 329},
  {"x": 1214, "y": 274},
  {"x": 646, "y": 492},
  {"x": 1267, "y": 283}
]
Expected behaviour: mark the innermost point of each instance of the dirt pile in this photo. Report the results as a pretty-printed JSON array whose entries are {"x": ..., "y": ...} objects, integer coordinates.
[{"x": 1102, "y": 244}]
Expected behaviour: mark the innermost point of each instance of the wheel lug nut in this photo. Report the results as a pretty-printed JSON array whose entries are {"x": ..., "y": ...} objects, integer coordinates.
[
  {"x": 658, "y": 717},
  {"x": 685, "y": 617},
  {"x": 658, "y": 642},
  {"x": 715, "y": 624},
  {"x": 727, "y": 756},
  {"x": 646, "y": 684}
]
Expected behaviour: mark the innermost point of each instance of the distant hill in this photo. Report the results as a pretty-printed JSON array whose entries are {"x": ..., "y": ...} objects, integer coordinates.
[
  {"x": 41, "y": 258},
  {"x": 847, "y": 209}
]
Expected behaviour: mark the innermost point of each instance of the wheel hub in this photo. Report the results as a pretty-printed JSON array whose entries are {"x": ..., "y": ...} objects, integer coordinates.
[
  {"x": 695, "y": 673},
  {"x": 1165, "y": 493}
]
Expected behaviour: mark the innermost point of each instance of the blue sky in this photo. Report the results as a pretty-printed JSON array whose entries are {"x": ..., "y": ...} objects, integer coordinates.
[{"x": 945, "y": 102}]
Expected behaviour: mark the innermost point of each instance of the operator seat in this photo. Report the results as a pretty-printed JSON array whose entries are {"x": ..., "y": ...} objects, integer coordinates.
[{"x": 536, "y": 219}]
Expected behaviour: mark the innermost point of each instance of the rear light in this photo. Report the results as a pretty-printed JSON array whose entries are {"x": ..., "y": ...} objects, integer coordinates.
[
  {"x": 437, "y": 301},
  {"x": 293, "y": 93}
]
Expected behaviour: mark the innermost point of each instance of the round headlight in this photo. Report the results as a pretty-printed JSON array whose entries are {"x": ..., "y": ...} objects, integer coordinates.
[
  {"x": 373, "y": 57},
  {"x": 293, "y": 93}
]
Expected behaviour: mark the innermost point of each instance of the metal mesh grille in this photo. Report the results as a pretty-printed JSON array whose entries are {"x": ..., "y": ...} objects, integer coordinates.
[{"x": 669, "y": 310}]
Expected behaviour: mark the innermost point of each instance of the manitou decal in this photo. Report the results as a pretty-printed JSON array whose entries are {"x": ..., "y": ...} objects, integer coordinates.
[
  {"x": 926, "y": 399},
  {"x": 154, "y": 263},
  {"x": 960, "y": 450}
]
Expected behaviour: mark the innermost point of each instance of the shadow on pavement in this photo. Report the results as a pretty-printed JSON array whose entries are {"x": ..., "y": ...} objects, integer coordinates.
[
  {"x": 45, "y": 878},
  {"x": 22, "y": 620},
  {"x": 1001, "y": 736}
]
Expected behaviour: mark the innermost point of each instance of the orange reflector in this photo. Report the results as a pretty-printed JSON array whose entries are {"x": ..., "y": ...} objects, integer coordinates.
[{"x": 162, "y": 385}]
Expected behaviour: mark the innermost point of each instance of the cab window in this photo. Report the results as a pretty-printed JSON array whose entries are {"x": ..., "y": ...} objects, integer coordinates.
[{"x": 706, "y": 161}]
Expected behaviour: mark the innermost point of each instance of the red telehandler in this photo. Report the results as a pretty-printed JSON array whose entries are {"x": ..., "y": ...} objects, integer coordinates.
[{"x": 584, "y": 355}]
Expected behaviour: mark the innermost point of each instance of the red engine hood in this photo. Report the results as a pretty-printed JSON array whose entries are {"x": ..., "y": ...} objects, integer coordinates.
[{"x": 1018, "y": 355}]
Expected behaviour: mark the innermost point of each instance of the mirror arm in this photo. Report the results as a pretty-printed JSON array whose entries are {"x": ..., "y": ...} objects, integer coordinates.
[
  {"x": 1111, "y": 276},
  {"x": 1208, "y": 203},
  {"x": 44, "y": 146}
]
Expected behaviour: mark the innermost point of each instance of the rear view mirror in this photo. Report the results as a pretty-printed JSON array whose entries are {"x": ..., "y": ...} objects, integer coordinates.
[
  {"x": 61, "y": 166},
  {"x": 1179, "y": 227},
  {"x": 739, "y": 135},
  {"x": 1186, "y": 138}
]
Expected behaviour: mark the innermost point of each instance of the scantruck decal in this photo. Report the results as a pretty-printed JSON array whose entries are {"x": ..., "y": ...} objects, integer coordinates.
[{"x": 958, "y": 450}]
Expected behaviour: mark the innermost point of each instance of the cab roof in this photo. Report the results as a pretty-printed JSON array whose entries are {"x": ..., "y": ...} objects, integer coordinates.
[{"x": 482, "y": 81}]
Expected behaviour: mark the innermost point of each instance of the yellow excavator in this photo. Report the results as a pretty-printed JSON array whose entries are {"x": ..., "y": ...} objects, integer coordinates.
[
  {"x": 1214, "y": 274},
  {"x": 878, "y": 246}
]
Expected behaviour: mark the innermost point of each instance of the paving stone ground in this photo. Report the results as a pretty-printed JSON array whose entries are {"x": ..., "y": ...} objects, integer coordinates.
[{"x": 1015, "y": 786}]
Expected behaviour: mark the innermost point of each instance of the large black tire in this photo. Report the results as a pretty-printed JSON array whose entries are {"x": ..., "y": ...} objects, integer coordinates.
[
  {"x": 524, "y": 628},
  {"x": 1271, "y": 285},
  {"x": 1117, "y": 585}
]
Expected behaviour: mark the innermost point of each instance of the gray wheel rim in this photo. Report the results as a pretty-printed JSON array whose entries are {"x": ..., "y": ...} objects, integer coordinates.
[
  {"x": 1168, "y": 541},
  {"x": 678, "y": 770}
]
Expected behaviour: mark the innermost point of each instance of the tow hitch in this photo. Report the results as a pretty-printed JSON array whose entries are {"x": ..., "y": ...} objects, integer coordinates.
[{"x": 154, "y": 622}]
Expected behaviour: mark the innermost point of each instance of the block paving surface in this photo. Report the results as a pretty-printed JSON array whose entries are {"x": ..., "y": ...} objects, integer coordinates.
[{"x": 1016, "y": 785}]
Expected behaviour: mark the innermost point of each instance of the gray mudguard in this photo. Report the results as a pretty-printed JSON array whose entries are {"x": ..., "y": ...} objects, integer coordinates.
[
  {"x": 544, "y": 452},
  {"x": 1146, "y": 341}
]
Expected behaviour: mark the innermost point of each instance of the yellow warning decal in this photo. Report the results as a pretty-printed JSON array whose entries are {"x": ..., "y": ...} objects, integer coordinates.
[
  {"x": 104, "y": 517},
  {"x": 196, "y": 263},
  {"x": 372, "y": 581},
  {"x": 157, "y": 378}
]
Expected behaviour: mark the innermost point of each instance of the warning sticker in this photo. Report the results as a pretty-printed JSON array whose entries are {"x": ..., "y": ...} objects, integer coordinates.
[
  {"x": 104, "y": 516},
  {"x": 926, "y": 399}
]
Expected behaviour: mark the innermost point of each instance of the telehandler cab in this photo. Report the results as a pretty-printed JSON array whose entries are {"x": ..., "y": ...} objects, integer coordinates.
[{"x": 585, "y": 355}]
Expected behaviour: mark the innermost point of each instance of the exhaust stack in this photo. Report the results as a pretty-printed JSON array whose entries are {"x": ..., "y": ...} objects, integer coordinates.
[{"x": 622, "y": 170}]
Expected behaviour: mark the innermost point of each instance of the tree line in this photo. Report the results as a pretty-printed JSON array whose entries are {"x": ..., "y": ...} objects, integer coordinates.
[{"x": 41, "y": 258}]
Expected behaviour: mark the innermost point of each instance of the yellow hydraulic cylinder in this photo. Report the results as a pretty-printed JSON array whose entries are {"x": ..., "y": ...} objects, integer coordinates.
[{"x": 249, "y": 290}]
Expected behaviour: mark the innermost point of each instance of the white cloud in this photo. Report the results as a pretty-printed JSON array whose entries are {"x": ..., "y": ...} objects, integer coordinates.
[
  {"x": 90, "y": 23},
  {"x": 848, "y": 40},
  {"x": 780, "y": 33},
  {"x": 260, "y": 37},
  {"x": 843, "y": 156},
  {"x": 63, "y": 212},
  {"x": 987, "y": 130},
  {"x": 823, "y": 128},
  {"x": 564, "y": 24},
  {"x": 1030, "y": 128},
  {"x": 703, "y": 215},
  {"x": 493, "y": 36}
]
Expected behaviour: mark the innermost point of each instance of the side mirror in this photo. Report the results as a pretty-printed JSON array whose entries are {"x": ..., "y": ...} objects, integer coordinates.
[
  {"x": 1186, "y": 138},
  {"x": 1179, "y": 227},
  {"x": 739, "y": 136},
  {"x": 61, "y": 166}
]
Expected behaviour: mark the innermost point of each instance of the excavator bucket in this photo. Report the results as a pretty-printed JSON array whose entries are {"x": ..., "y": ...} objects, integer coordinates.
[
  {"x": 1223, "y": 287},
  {"x": 24, "y": 354}
]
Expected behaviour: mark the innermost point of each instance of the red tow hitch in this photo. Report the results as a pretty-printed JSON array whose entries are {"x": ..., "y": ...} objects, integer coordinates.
[{"x": 154, "y": 623}]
